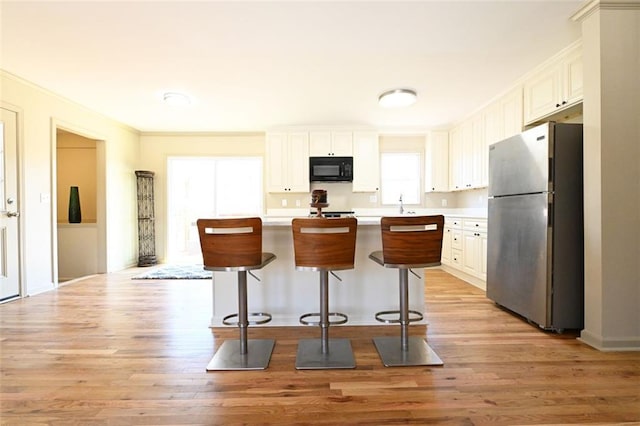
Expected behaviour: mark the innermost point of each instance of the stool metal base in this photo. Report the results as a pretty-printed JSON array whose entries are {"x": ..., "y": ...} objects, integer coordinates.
[
  {"x": 418, "y": 352},
  {"x": 310, "y": 356},
  {"x": 228, "y": 357}
]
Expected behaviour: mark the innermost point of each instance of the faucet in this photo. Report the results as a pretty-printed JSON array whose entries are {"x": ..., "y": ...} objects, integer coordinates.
[{"x": 401, "y": 206}]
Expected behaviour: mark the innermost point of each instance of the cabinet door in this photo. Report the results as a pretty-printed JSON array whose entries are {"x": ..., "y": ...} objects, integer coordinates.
[
  {"x": 493, "y": 124},
  {"x": 276, "y": 153},
  {"x": 366, "y": 162},
  {"x": 298, "y": 162},
  {"x": 573, "y": 92},
  {"x": 511, "y": 113},
  {"x": 287, "y": 162},
  {"x": 483, "y": 257},
  {"x": 446, "y": 246},
  {"x": 342, "y": 144},
  {"x": 436, "y": 168},
  {"x": 470, "y": 250},
  {"x": 467, "y": 155},
  {"x": 479, "y": 153},
  {"x": 456, "y": 178},
  {"x": 542, "y": 93},
  {"x": 339, "y": 144},
  {"x": 319, "y": 144}
]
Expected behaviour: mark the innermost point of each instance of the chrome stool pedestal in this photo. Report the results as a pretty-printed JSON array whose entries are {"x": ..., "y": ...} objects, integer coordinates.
[
  {"x": 324, "y": 353},
  {"x": 324, "y": 245},
  {"x": 408, "y": 242},
  {"x": 236, "y": 245}
]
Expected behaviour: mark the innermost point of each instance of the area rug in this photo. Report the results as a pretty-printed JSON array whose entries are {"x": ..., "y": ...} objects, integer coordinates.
[{"x": 175, "y": 272}]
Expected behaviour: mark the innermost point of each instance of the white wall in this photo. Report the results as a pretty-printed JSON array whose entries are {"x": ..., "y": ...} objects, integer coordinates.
[
  {"x": 39, "y": 112},
  {"x": 611, "y": 40}
]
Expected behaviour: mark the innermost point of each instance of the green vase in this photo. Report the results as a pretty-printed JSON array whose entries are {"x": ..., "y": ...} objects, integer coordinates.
[{"x": 75, "y": 215}]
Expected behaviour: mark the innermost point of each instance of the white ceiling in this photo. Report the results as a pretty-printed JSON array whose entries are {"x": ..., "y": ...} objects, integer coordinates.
[{"x": 251, "y": 66}]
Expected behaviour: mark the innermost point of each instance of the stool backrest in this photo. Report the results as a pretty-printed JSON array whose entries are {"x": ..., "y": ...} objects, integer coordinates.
[
  {"x": 324, "y": 243},
  {"x": 412, "y": 240},
  {"x": 231, "y": 242}
]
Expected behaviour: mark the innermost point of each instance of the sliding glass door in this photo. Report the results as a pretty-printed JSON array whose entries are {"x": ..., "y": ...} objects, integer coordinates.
[{"x": 207, "y": 187}]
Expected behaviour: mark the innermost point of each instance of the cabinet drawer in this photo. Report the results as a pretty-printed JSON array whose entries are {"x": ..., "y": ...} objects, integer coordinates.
[
  {"x": 456, "y": 258},
  {"x": 453, "y": 222},
  {"x": 478, "y": 225},
  {"x": 456, "y": 239}
]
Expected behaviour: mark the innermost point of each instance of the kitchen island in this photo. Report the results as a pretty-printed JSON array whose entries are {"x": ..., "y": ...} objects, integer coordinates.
[{"x": 286, "y": 293}]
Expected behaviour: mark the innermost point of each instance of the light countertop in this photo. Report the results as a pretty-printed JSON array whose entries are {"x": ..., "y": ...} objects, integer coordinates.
[{"x": 283, "y": 217}]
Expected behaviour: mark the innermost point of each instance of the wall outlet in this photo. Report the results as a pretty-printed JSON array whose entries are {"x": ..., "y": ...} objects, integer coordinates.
[
  {"x": 444, "y": 202},
  {"x": 297, "y": 203},
  {"x": 373, "y": 198},
  {"x": 284, "y": 202}
]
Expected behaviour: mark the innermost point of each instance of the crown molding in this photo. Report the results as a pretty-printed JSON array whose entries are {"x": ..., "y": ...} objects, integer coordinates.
[{"x": 596, "y": 5}]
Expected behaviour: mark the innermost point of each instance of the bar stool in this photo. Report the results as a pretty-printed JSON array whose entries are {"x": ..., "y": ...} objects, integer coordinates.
[
  {"x": 236, "y": 245},
  {"x": 407, "y": 242},
  {"x": 324, "y": 245}
]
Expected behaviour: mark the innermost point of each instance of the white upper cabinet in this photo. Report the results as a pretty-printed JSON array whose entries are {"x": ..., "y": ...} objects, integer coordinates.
[
  {"x": 555, "y": 87},
  {"x": 503, "y": 118},
  {"x": 510, "y": 108},
  {"x": 436, "y": 166},
  {"x": 287, "y": 162},
  {"x": 366, "y": 162},
  {"x": 323, "y": 144},
  {"x": 479, "y": 153},
  {"x": 456, "y": 166}
]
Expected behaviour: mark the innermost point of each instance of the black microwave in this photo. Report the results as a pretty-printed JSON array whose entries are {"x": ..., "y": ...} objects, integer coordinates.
[{"x": 330, "y": 169}]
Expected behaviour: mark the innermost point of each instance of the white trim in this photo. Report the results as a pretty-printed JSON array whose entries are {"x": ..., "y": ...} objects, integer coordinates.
[
  {"x": 596, "y": 5},
  {"x": 621, "y": 343}
]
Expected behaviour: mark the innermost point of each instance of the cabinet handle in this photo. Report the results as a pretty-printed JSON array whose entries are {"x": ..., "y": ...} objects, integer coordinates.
[
  {"x": 564, "y": 102},
  {"x": 557, "y": 105}
]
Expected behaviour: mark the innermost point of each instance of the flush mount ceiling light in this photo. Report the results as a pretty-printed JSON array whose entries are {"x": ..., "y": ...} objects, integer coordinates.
[
  {"x": 176, "y": 99},
  {"x": 397, "y": 98}
]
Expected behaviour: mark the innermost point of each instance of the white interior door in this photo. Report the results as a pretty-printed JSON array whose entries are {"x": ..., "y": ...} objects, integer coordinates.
[{"x": 9, "y": 266}]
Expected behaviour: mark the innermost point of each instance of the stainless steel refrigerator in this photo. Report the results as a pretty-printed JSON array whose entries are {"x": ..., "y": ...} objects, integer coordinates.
[{"x": 535, "y": 226}]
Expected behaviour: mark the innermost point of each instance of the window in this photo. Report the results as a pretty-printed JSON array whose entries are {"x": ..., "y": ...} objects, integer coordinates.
[
  {"x": 400, "y": 176},
  {"x": 207, "y": 187}
]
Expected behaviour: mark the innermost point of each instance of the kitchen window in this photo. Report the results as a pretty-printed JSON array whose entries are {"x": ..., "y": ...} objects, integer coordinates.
[
  {"x": 400, "y": 176},
  {"x": 207, "y": 187}
]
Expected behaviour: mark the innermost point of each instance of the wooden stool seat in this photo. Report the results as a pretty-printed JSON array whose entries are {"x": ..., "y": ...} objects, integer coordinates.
[
  {"x": 408, "y": 242},
  {"x": 324, "y": 245},
  {"x": 235, "y": 245}
]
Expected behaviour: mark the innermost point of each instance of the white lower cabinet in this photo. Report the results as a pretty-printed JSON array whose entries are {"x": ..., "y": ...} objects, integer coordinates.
[
  {"x": 474, "y": 247},
  {"x": 446, "y": 246},
  {"x": 464, "y": 246},
  {"x": 451, "y": 240}
]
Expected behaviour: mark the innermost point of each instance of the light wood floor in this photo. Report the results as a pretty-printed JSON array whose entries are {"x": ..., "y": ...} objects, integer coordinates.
[{"x": 110, "y": 350}]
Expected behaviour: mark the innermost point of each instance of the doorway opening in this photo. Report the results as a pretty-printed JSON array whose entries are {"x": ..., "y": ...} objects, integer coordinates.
[
  {"x": 208, "y": 187},
  {"x": 78, "y": 238}
]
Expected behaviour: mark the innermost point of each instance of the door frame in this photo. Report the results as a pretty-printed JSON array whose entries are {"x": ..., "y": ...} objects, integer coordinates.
[
  {"x": 20, "y": 190},
  {"x": 101, "y": 219}
]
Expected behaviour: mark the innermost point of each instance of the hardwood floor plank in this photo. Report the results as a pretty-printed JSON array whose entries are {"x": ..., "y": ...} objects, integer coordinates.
[{"x": 110, "y": 350}]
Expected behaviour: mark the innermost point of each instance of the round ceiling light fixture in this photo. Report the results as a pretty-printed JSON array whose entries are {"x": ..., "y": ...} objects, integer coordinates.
[
  {"x": 176, "y": 99},
  {"x": 397, "y": 98}
]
